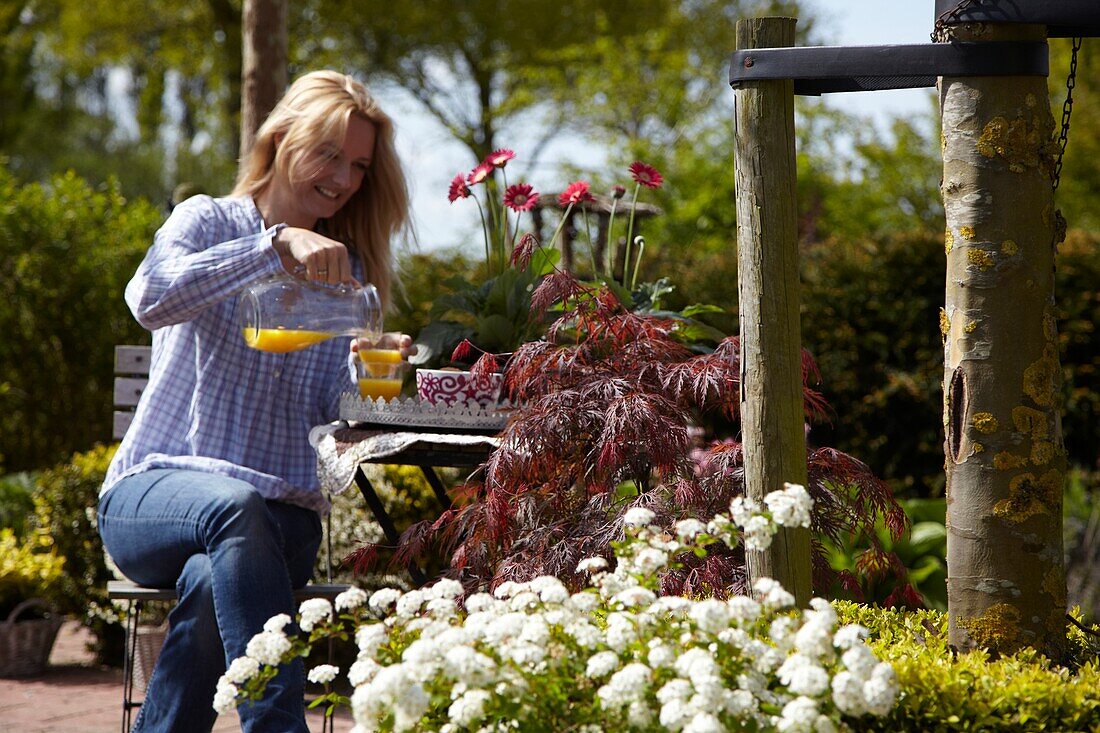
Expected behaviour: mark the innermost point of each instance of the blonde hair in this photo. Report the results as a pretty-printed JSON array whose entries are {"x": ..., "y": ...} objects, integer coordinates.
[{"x": 314, "y": 111}]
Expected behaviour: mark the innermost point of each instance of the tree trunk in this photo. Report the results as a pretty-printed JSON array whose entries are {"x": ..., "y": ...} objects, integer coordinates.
[
  {"x": 263, "y": 72},
  {"x": 772, "y": 422},
  {"x": 1005, "y": 464}
]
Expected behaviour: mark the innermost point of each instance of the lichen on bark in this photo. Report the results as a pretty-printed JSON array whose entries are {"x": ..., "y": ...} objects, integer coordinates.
[{"x": 998, "y": 628}]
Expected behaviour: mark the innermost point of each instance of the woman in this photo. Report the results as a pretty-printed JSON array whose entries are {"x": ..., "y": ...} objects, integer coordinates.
[{"x": 214, "y": 487}]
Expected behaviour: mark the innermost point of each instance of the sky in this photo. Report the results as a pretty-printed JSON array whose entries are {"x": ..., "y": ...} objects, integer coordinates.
[{"x": 432, "y": 158}]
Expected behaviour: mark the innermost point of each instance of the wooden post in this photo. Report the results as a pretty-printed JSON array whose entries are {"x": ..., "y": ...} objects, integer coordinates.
[
  {"x": 1006, "y": 585},
  {"x": 772, "y": 421}
]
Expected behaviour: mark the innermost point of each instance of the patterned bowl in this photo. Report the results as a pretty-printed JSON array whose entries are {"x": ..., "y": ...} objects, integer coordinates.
[{"x": 449, "y": 388}]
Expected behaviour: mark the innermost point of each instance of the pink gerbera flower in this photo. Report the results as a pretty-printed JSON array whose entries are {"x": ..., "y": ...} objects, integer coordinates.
[
  {"x": 459, "y": 189},
  {"x": 498, "y": 158},
  {"x": 520, "y": 197},
  {"x": 646, "y": 175},
  {"x": 479, "y": 174},
  {"x": 575, "y": 193}
]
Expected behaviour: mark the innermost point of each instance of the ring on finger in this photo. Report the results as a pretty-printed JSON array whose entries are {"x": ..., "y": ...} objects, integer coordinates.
[{"x": 322, "y": 271}]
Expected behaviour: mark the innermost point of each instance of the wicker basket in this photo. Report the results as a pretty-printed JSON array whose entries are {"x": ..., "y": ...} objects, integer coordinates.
[
  {"x": 147, "y": 643},
  {"x": 25, "y": 646}
]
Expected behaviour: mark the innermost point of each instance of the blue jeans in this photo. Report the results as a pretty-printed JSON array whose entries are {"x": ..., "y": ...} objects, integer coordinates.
[{"x": 234, "y": 558}]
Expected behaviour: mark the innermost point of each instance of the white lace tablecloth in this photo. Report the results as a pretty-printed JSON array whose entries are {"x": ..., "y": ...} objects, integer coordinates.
[{"x": 341, "y": 447}]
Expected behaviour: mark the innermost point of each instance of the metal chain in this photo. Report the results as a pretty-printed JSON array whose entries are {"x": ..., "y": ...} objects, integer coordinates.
[
  {"x": 1067, "y": 110},
  {"x": 940, "y": 33}
]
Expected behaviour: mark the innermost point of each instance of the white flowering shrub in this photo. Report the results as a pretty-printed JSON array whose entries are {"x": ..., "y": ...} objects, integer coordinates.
[{"x": 534, "y": 657}]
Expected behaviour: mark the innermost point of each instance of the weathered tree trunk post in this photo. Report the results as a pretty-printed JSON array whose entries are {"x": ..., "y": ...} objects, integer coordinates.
[
  {"x": 264, "y": 72},
  {"x": 1005, "y": 464},
  {"x": 772, "y": 422}
]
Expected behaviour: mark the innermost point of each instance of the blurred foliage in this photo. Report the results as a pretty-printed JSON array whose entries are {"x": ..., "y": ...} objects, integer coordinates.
[
  {"x": 29, "y": 568},
  {"x": 423, "y": 278},
  {"x": 1079, "y": 189},
  {"x": 1077, "y": 307},
  {"x": 1081, "y": 533},
  {"x": 107, "y": 88},
  {"x": 16, "y": 501},
  {"x": 65, "y": 498},
  {"x": 856, "y": 181},
  {"x": 66, "y": 253},
  {"x": 870, "y": 316}
]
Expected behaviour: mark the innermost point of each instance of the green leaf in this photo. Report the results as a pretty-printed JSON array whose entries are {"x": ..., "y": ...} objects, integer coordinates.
[
  {"x": 543, "y": 260},
  {"x": 437, "y": 340},
  {"x": 698, "y": 308}
]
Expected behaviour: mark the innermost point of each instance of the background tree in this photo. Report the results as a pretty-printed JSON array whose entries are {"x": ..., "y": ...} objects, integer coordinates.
[
  {"x": 264, "y": 64},
  {"x": 153, "y": 98},
  {"x": 470, "y": 65}
]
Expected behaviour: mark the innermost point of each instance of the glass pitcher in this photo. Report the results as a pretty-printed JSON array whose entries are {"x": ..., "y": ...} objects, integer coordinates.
[{"x": 285, "y": 313}]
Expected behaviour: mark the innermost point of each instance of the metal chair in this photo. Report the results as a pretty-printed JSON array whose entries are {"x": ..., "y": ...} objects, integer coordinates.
[{"x": 136, "y": 596}]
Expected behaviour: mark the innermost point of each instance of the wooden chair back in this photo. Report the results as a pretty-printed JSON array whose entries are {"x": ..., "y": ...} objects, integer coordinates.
[{"x": 131, "y": 376}]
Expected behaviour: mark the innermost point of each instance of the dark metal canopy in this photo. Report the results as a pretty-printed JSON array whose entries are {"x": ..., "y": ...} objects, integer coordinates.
[
  {"x": 820, "y": 69},
  {"x": 1063, "y": 18}
]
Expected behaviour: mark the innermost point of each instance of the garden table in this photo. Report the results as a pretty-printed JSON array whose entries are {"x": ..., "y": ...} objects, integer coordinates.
[{"x": 343, "y": 447}]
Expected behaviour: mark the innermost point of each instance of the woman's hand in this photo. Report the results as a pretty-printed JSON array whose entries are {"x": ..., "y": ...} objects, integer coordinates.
[
  {"x": 313, "y": 256},
  {"x": 401, "y": 342}
]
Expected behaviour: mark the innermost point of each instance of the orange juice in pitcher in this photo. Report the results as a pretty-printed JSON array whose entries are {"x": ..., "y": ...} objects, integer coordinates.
[
  {"x": 284, "y": 313},
  {"x": 282, "y": 340}
]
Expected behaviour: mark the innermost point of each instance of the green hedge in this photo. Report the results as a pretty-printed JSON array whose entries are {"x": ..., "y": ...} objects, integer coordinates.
[
  {"x": 65, "y": 499},
  {"x": 870, "y": 316},
  {"x": 67, "y": 251},
  {"x": 942, "y": 691}
]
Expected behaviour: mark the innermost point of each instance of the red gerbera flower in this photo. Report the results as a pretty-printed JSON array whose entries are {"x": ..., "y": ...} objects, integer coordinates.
[
  {"x": 575, "y": 193},
  {"x": 498, "y": 158},
  {"x": 459, "y": 189},
  {"x": 479, "y": 174},
  {"x": 646, "y": 175},
  {"x": 520, "y": 197}
]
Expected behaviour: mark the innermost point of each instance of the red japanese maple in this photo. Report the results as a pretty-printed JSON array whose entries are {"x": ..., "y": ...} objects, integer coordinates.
[{"x": 609, "y": 404}]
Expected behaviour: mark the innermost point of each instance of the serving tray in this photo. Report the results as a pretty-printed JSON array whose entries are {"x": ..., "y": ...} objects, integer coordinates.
[{"x": 411, "y": 412}]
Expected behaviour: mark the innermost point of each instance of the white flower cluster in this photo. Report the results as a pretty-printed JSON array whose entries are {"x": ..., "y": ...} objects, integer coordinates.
[
  {"x": 788, "y": 507},
  {"x": 630, "y": 658}
]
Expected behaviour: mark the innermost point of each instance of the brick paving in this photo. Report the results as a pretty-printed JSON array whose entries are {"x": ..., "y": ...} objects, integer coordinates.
[{"x": 74, "y": 696}]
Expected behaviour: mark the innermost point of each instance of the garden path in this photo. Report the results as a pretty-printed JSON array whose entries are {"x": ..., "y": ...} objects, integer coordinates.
[{"x": 73, "y": 695}]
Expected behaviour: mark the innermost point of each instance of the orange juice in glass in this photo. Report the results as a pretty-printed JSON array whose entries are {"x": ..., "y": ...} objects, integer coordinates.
[{"x": 379, "y": 373}]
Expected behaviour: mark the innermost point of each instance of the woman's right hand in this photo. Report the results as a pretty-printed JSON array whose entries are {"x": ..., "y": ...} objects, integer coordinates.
[{"x": 307, "y": 254}]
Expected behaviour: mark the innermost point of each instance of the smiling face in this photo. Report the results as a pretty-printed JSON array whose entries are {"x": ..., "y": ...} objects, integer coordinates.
[{"x": 323, "y": 181}]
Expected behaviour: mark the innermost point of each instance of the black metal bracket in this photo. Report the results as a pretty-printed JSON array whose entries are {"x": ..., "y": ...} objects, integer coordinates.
[
  {"x": 821, "y": 69},
  {"x": 1063, "y": 18}
]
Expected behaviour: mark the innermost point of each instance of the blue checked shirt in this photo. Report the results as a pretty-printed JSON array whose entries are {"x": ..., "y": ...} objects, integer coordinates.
[{"x": 212, "y": 403}]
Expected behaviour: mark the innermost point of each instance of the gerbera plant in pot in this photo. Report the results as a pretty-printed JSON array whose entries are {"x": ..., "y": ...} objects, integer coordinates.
[{"x": 493, "y": 318}]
